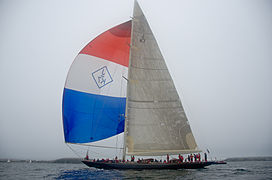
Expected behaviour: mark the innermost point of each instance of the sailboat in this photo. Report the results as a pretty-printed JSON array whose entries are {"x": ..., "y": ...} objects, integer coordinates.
[{"x": 119, "y": 83}]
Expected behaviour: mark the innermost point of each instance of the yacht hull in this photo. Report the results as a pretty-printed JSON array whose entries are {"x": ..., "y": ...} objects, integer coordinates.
[{"x": 143, "y": 166}]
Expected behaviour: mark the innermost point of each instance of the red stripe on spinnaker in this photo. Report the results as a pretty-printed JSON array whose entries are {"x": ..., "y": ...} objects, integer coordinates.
[{"x": 112, "y": 45}]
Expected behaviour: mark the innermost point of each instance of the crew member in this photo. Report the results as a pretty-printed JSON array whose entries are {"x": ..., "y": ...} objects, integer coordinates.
[
  {"x": 132, "y": 158},
  {"x": 87, "y": 157},
  {"x": 191, "y": 157},
  {"x": 205, "y": 157}
]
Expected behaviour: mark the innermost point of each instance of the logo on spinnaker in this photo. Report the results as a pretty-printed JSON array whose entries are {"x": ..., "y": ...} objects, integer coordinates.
[{"x": 102, "y": 77}]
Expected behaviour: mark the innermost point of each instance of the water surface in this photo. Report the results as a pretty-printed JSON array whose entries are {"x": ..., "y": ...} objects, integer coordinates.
[{"x": 233, "y": 170}]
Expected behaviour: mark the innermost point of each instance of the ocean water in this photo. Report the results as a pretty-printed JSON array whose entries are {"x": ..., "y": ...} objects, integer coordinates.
[{"x": 233, "y": 170}]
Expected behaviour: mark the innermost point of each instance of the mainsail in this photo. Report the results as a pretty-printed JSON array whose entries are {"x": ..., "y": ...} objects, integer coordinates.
[
  {"x": 120, "y": 81},
  {"x": 156, "y": 123}
]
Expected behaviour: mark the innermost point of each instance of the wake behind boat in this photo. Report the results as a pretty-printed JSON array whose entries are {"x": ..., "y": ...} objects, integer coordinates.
[{"x": 119, "y": 83}]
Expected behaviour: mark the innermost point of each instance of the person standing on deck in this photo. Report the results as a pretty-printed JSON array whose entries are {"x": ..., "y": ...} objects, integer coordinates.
[
  {"x": 87, "y": 156},
  {"x": 205, "y": 157},
  {"x": 198, "y": 157},
  {"x": 180, "y": 158},
  {"x": 191, "y": 158},
  {"x": 167, "y": 157},
  {"x": 195, "y": 157},
  {"x": 132, "y": 158}
]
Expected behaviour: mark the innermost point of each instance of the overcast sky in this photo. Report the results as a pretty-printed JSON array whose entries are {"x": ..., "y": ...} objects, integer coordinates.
[{"x": 219, "y": 54}]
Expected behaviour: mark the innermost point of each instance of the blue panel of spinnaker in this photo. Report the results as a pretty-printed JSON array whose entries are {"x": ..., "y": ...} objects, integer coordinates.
[{"x": 90, "y": 117}]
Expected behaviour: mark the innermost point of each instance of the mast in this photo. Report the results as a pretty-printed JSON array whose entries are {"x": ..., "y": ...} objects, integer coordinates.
[{"x": 129, "y": 64}]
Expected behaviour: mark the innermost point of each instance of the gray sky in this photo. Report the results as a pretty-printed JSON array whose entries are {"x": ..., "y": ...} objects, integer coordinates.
[{"x": 219, "y": 54}]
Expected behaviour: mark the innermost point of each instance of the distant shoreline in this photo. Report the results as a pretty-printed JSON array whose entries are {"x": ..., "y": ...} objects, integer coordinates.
[
  {"x": 61, "y": 160},
  {"x": 234, "y": 159},
  {"x": 78, "y": 160}
]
